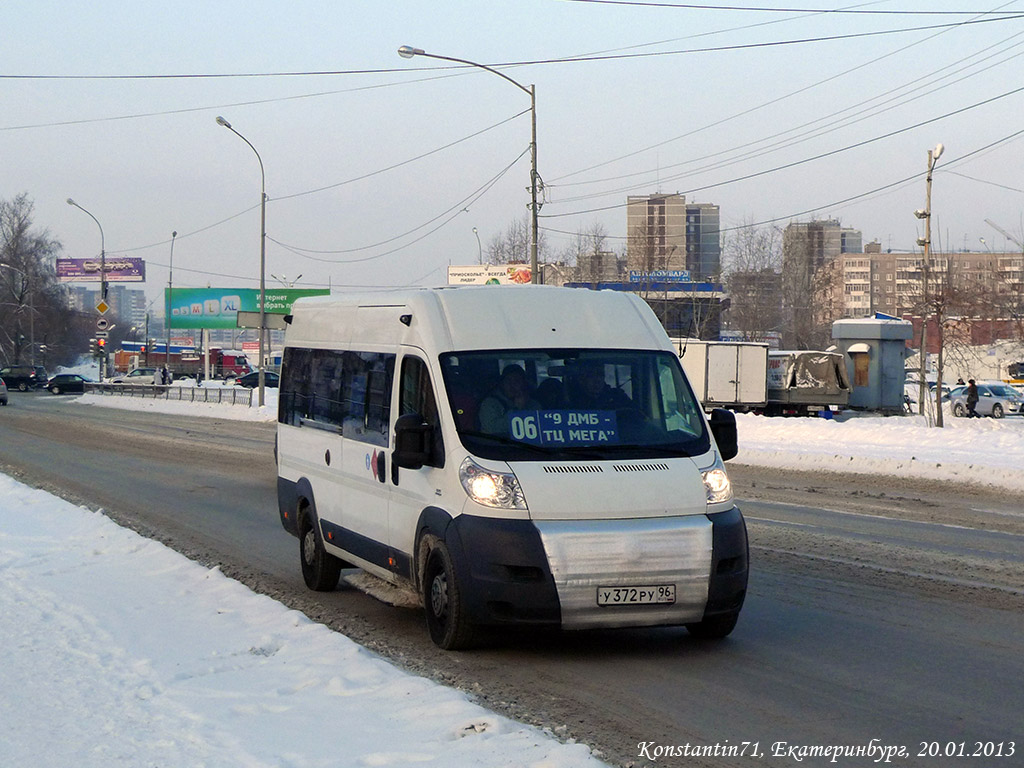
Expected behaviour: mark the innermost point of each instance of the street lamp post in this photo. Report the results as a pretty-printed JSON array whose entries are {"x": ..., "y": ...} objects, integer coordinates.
[
  {"x": 263, "y": 257},
  {"x": 170, "y": 293},
  {"x": 407, "y": 52},
  {"x": 103, "y": 274},
  {"x": 479, "y": 248},
  {"x": 926, "y": 242}
]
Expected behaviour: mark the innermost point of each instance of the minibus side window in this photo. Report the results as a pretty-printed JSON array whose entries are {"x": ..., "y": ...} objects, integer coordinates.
[
  {"x": 417, "y": 396},
  {"x": 366, "y": 396},
  {"x": 294, "y": 393}
]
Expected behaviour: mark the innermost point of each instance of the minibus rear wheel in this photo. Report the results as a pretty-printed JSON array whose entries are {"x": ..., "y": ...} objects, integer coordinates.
[
  {"x": 444, "y": 603},
  {"x": 320, "y": 570}
]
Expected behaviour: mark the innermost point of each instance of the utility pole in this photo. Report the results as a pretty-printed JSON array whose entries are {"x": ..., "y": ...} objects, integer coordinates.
[{"x": 926, "y": 242}]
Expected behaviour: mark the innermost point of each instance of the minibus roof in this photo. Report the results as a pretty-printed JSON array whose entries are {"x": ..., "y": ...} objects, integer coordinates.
[{"x": 464, "y": 318}]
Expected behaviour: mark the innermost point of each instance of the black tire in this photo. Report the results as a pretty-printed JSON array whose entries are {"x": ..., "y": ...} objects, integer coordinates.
[
  {"x": 714, "y": 627},
  {"x": 320, "y": 570},
  {"x": 55, "y": 389},
  {"x": 959, "y": 410},
  {"x": 997, "y": 411},
  {"x": 22, "y": 387},
  {"x": 443, "y": 601}
]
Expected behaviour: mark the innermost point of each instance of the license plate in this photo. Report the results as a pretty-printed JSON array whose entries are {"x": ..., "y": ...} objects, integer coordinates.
[{"x": 647, "y": 595}]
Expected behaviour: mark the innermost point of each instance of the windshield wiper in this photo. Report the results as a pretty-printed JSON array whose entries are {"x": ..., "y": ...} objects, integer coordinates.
[{"x": 505, "y": 440}]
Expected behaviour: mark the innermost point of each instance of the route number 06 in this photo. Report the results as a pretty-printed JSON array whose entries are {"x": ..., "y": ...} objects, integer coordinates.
[{"x": 524, "y": 428}]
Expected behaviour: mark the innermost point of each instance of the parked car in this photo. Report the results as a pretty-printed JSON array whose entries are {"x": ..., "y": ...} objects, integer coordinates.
[
  {"x": 995, "y": 399},
  {"x": 135, "y": 376},
  {"x": 64, "y": 383},
  {"x": 23, "y": 377},
  {"x": 3, "y": 393},
  {"x": 252, "y": 380}
]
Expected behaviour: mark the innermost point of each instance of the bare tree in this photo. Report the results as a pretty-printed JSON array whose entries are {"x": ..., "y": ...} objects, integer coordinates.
[
  {"x": 35, "y": 322},
  {"x": 513, "y": 245},
  {"x": 752, "y": 266}
]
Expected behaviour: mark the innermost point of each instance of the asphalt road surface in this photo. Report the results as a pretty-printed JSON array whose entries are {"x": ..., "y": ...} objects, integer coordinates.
[{"x": 882, "y": 613}]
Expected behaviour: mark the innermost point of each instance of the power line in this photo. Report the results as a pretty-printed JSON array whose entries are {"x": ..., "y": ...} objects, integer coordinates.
[
  {"x": 524, "y": 63},
  {"x": 833, "y": 204},
  {"x": 331, "y": 186},
  {"x": 458, "y": 208},
  {"x": 770, "y": 102},
  {"x": 806, "y": 160},
  {"x": 696, "y": 7}
]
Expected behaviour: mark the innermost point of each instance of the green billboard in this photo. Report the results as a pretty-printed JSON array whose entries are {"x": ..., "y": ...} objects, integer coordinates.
[{"x": 216, "y": 308}]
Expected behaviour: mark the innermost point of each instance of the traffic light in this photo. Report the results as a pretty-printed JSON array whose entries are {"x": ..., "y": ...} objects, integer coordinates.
[
  {"x": 101, "y": 345},
  {"x": 92, "y": 347}
]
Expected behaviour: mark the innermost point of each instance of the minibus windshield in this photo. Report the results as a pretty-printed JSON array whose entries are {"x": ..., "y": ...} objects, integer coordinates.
[{"x": 543, "y": 404}]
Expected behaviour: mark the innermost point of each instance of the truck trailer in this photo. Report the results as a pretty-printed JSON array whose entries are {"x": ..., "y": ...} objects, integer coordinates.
[{"x": 801, "y": 382}]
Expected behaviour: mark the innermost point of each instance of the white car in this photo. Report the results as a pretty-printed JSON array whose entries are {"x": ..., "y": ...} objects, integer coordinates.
[
  {"x": 3, "y": 393},
  {"x": 135, "y": 376}
]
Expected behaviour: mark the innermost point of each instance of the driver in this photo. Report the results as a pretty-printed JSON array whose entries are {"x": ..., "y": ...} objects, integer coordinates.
[{"x": 591, "y": 391}]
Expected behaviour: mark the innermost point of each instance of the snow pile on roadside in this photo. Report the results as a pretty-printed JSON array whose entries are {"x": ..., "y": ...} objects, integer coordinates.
[
  {"x": 116, "y": 650},
  {"x": 984, "y": 451}
]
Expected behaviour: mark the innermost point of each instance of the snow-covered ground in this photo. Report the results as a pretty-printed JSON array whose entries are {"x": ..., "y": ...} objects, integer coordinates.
[{"x": 115, "y": 650}]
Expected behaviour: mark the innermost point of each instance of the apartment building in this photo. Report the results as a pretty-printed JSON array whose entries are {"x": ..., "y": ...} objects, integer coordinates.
[{"x": 893, "y": 282}]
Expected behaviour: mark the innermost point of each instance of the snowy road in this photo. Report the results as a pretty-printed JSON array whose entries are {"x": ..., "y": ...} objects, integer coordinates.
[{"x": 868, "y": 603}]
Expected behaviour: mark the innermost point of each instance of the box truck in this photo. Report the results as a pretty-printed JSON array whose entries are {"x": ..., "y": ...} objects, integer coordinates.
[{"x": 726, "y": 374}]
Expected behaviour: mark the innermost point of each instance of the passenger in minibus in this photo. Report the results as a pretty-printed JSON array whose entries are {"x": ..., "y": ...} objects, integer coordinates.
[{"x": 511, "y": 394}]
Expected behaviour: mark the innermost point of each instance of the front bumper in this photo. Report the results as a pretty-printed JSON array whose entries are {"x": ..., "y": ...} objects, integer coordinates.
[{"x": 548, "y": 572}]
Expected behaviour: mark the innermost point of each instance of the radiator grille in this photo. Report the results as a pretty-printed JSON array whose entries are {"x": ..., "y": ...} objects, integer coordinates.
[
  {"x": 572, "y": 469},
  {"x": 646, "y": 467}
]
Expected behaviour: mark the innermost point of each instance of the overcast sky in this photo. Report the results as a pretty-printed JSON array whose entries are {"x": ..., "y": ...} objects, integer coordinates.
[{"x": 378, "y": 172}]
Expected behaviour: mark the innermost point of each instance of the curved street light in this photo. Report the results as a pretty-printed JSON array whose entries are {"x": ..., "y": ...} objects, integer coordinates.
[
  {"x": 479, "y": 248},
  {"x": 103, "y": 274},
  {"x": 408, "y": 52},
  {"x": 170, "y": 293},
  {"x": 263, "y": 256}
]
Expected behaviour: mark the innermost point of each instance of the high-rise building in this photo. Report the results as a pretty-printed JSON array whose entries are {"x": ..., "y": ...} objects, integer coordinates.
[
  {"x": 664, "y": 232},
  {"x": 811, "y": 279},
  {"x": 656, "y": 233},
  {"x": 703, "y": 241}
]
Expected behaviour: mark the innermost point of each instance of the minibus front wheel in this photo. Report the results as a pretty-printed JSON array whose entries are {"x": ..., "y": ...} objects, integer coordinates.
[
  {"x": 320, "y": 570},
  {"x": 714, "y": 627},
  {"x": 444, "y": 602}
]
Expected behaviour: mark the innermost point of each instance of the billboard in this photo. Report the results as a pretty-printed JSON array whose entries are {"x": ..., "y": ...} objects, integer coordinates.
[
  {"x": 119, "y": 269},
  {"x": 489, "y": 274},
  {"x": 218, "y": 308}
]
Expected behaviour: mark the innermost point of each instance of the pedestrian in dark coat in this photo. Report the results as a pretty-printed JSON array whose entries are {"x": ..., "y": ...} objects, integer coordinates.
[{"x": 972, "y": 398}]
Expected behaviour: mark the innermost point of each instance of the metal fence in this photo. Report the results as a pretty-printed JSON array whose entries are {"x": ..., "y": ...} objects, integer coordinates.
[{"x": 230, "y": 395}]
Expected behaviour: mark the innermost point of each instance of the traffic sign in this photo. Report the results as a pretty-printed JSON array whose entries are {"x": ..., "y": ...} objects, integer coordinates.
[
  {"x": 102, "y": 307},
  {"x": 102, "y": 323},
  {"x": 102, "y": 334}
]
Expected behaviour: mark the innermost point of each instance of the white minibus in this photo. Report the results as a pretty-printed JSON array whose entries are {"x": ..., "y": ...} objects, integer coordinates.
[{"x": 517, "y": 455}]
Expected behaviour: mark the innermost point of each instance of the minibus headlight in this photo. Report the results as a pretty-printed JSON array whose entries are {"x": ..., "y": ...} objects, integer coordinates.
[
  {"x": 716, "y": 483},
  {"x": 491, "y": 489}
]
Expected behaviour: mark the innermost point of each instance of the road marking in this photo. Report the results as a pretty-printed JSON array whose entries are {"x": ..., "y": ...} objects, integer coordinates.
[{"x": 894, "y": 571}]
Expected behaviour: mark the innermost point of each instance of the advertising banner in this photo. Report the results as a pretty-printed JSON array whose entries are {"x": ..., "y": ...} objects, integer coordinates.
[
  {"x": 119, "y": 269},
  {"x": 489, "y": 274},
  {"x": 660, "y": 276},
  {"x": 218, "y": 308}
]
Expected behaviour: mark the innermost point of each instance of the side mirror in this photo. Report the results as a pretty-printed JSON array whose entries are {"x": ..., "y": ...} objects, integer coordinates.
[
  {"x": 723, "y": 427},
  {"x": 413, "y": 438}
]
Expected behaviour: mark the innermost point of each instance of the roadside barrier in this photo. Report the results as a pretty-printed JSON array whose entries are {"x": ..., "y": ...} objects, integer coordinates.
[{"x": 229, "y": 395}]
